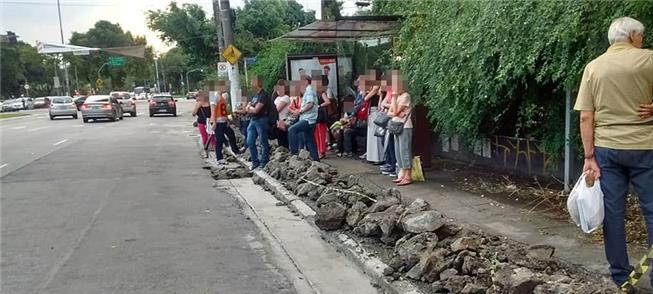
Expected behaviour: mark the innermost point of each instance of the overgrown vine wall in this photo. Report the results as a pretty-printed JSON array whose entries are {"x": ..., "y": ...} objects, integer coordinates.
[{"x": 501, "y": 67}]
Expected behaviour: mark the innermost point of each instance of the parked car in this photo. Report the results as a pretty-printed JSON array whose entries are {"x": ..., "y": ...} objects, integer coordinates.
[
  {"x": 62, "y": 106},
  {"x": 7, "y": 105},
  {"x": 191, "y": 95},
  {"x": 41, "y": 102},
  {"x": 126, "y": 101},
  {"x": 163, "y": 104},
  {"x": 16, "y": 105},
  {"x": 79, "y": 100},
  {"x": 101, "y": 106}
]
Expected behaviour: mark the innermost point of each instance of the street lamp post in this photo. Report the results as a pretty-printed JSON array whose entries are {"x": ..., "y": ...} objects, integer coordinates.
[
  {"x": 190, "y": 71},
  {"x": 98, "y": 75},
  {"x": 156, "y": 68}
]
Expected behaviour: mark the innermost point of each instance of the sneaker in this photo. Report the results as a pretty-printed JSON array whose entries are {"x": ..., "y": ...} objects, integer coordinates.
[
  {"x": 253, "y": 167},
  {"x": 222, "y": 162},
  {"x": 363, "y": 156},
  {"x": 392, "y": 174},
  {"x": 385, "y": 166}
]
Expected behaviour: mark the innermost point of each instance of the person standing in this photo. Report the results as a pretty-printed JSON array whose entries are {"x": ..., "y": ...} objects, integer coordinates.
[
  {"x": 374, "y": 146},
  {"x": 616, "y": 126},
  {"x": 282, "y": 103},
  {"x": 401, "y": 112},
  {"x": 202, "y": 109},
  {"x": 220, "y": 123},
  {"x": 258, "y": 125},
  {"x": 390, "y": 166},
  {"x": 306, "y": 124},
  {"x": 321, "y": 127}
]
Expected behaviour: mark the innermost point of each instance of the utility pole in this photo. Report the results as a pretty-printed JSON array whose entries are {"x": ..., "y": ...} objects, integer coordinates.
[
  {"x": 234, "y": 77},
  {"x": 65, "y": 66},
  {"x": 181, "y": 81},
  {"x": 218, "y": 28},
  {"x": 156, "y": 68}
]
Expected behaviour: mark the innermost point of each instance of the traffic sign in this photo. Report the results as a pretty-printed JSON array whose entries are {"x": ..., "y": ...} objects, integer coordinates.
[
  {"x": 98, "y": 83},
  {"x": 231, "y": 53},
  {"x": 250, "y": 61},
  {"x": 223, "y": 68},
  {"x": 26, "y": 87},
  {"x": 116, "y": 60}
]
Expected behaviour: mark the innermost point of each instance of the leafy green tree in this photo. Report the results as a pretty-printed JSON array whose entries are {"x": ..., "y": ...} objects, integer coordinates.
[
  {"x": 104, "y": 34},
  {"x": 22, "y": 64},
  {"x": 501, "y": 67}
]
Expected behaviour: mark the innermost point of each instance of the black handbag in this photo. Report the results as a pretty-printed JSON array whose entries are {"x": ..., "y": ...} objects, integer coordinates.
[
  {"x": 380, "y": 132},
  {"x": 381, "y": 119},
  {"x": 397, "y": 127}
]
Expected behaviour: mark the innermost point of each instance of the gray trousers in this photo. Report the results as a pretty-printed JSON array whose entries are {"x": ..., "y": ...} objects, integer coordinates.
[{"x": 403, "y": 148}]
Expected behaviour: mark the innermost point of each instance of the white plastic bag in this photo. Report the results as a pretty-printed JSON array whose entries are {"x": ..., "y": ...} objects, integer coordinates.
[
  {"x": 209, "y": 129},
  {"x": 585, "y": 205}
]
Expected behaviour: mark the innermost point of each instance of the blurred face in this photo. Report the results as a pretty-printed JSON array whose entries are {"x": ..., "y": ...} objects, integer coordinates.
[
  {"x": 281, "y": 90},
  {"x": 326, "y": 71},
  {"x": 256, "y": 84}
]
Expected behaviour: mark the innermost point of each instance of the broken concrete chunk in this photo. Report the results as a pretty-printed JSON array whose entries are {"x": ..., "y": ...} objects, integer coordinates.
[
  {"x": 383, "y": 203},
  {"x": 330, "y": 216},
  {"x": 432, "y": 263},
  {"x": 540, "y": 252},
  {"x": 326, "y": 197},
  {"x": 355, "y": 213},
  {"x": 464, "y": 243},
  {"x": 448, "y": 273},
  {"x": 409, "y": 249},
  {"x": 473, "y": 289},
  {"x": 425, "y": 221},
  {"x": 418, "y": 205}
]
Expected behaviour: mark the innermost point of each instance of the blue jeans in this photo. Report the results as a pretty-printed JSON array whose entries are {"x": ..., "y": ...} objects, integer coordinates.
[
  {"x": 258, "y": 127},
  {"x": 302, "y": 128},
  {"x": 619, "y": 169}
]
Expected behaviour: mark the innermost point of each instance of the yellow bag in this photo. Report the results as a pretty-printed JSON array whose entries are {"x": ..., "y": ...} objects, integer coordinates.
[{"x": 416, "y": 172}]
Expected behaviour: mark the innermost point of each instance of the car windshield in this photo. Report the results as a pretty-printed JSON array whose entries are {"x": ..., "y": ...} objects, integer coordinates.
[
  {"x": 39, "y": 99},
  {"x": 62, "y": 100},
  {"x": 97, "y": 99},
  {"x": 120, "y": 95},
  {"x": 161, "y": 98}
]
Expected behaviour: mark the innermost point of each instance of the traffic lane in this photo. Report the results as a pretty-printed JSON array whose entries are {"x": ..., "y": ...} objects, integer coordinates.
[{"x": 141, "y": 217}]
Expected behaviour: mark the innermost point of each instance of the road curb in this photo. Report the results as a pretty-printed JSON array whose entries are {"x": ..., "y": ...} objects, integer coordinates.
[{"x": 372, "y": 266}]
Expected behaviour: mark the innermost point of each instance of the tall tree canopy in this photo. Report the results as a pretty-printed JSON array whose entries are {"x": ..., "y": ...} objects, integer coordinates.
[
  {"x": 21, "y": 65},
  {"x": 104, "y": 34}
]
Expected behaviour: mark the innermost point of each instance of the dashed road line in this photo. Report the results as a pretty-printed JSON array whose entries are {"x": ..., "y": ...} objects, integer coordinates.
[
  {"x": 19, "y": 127},
  {"x": 1, "y": 166},
  {"x": 36, "y": 129},
  {"x": 60, "y": 142}
]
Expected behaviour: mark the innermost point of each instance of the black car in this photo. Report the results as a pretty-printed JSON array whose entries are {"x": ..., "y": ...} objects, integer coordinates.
[
  {"x": 163, "y": 104},
  {"x": 79, "y": 100}
]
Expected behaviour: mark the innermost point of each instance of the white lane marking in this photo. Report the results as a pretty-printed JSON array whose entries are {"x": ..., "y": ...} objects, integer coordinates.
[
  {"x": 19, "y": 127},
  {"x": 140, "y": 113},
  {"x": 1, "y": 166},
  {"x": 36, "y": 129},
  {"x": 60, "y": 142}
]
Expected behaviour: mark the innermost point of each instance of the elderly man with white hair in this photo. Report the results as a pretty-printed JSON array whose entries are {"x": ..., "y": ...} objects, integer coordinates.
[{"x": 616, "y": 124}]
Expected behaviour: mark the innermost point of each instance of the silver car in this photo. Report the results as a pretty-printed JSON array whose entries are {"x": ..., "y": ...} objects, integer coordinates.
[
  {"x": 101, "y": 106},
  {"x": 62, "y": 106},
  {"x": 127, "y": 102}
]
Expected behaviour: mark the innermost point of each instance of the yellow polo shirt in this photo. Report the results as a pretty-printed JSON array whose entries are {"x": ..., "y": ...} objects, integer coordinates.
[{"x": 613, "y": 86}]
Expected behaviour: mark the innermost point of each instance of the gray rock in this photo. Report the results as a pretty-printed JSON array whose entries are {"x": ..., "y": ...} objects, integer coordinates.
[
  {"x": 326, "y": 197},
  {"x": 330, "y": 216},
  {"x": 304, "y": 189},
  {"x": 460, "y": 259},
  {"x": 314, "y": 175},
  {"x": 369, "y": 225},
  {"x": 448, "y": 230},
  {"x": 456, "y": 284},
  {"x": 418, "y": 205},
  {"x": 425, "y": 221},
  {"x": 304, "y": 155},
  {"x": 524, "y": 281},
  {"x": 427, "y": 264},
  {"x": 388, "y": 223},
  {"x": 517, "y": 281},
  {"x": 388, "y": 270},
  {"x": 384, "y": 203},
  {"x": 538, "y": 253},
  {"x": 554, "y": 288},
  {"x": 355, "y": 213},
  {"x": 257, "y": 180},
  {"x": 297, "y": 165},
  {"x": 473, "y": 289},
  {"x": 464, "y": 243},
  {"x": 470, "y": 265},
  {"x": 448, "y": 273},
  {"x": 409, "y": 249}
]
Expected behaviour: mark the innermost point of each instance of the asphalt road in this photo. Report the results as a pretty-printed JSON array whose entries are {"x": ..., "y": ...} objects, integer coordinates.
[{"x": 121, "y": 207}]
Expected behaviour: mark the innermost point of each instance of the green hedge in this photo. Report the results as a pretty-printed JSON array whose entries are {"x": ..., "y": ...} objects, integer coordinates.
[{"x": 501, "y": 67}]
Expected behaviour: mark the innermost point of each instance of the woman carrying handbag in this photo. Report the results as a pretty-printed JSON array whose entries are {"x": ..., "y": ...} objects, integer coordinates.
[{"x": 401, "y": 126}]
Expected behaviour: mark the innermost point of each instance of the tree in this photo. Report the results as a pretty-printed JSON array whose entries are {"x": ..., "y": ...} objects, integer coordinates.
[
  {"x": 174, "y": 64},
  {"x": 188, "y": 27},
  {"x": 21, "y": 65},
  {"x": 104, "y": 34}
]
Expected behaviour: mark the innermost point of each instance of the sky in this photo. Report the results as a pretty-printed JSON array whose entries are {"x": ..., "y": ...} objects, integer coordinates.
[{"x": 34, "y": 20}]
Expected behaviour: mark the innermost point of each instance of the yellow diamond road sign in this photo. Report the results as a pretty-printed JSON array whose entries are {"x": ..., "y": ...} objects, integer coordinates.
[{"x": 232, "y": 54}]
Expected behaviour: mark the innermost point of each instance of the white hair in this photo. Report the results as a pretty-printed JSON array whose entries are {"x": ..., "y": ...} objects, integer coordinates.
[{"x": 621, "y": 28}]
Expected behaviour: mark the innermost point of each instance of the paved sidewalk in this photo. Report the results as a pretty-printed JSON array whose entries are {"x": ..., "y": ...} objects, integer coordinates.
[{"x": 490, "y": 215}]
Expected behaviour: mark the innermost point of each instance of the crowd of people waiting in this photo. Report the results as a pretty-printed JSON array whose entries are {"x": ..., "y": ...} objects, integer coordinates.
[{"x": 304, "y": 114}]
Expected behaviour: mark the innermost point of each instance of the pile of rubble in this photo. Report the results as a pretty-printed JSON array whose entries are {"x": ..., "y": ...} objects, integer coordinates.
[{"x": 428, "y": 247}]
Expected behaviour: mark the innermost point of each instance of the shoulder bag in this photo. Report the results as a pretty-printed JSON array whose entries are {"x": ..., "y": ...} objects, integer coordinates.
[{"x": 397, "y": 127}]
